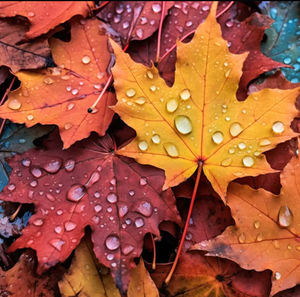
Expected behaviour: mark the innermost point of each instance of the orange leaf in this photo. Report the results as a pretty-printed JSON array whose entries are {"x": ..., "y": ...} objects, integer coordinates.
[
  {"x": 198, "y": 119},
  {"x": 44, "y": 15},
  {"x": 267, "y": 231},
  {"x": 62, "y": 95}
]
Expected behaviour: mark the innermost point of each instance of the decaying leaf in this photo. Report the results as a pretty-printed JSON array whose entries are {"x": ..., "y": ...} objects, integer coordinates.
[
  {"x": 198, "y": 121},
  {"x": 62, "y": 95},
  {"x": 88, "y": 185},
  {"x": 86, "y": 277},
  {"x": 44, "y": 15},
  {"x": 266, "y": 235}
]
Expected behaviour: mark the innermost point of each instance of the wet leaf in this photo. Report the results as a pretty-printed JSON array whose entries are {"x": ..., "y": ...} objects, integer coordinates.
[
  {"x": 141, "y": 284},
  {"x": 88, "y": 185},
  {"x": 21, "y": 280},
  {"x": 266, "y": 235},
  {"x": 282, "y": 43},
  {"x": 65, "y": 93},
  {"x": 86, "y": 277},
  {"x": 199, "y": 276},
  {"x": 134, "y": 20},
  {"x": 17, "y": 55},
  {"x": 44, "y": 16},
  {"x": 198, "y": 119}
]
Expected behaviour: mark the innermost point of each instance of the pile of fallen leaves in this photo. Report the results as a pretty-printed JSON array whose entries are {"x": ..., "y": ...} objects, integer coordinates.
[{"x": 149, "y": 148}]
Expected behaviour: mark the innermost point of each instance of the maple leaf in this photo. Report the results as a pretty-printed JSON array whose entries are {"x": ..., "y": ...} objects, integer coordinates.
[
  {"x": 197, "y": 275},
  {"x": 62, "y": 95},
  {"x": 21, "y": 280},
  {"x": 88, "y": 185},
  {"x": 266, "y": 228},
  {"x": 282, "y": 42},
  {"x": 44, "y": 16},
  {"x": 134, "y": 20},
  {"x": 86, "y": 277},
  {"x": 17, "y": 55},
  {"x": 198, "y": 120}
]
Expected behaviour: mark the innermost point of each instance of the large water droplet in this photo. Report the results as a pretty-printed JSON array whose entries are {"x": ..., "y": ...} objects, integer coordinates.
[
  {"x": 86, "y": 60},
  {"x": 76, "y": 192},
  {"x": 183, "y": 124},
  {"x": 14, "y": 104},
  {"x": 285, "y": 216},
  {"x": 278, "y": 127},
  {"x": 57, "y": 243},
  {"x": 112, "y": 242},
  {"x": 36, "y": 172},
  {"x": 156, "y": 8},
  {"x": 235, "y": 129},
  {"x": 248, "y": 161},
  {"x": 53, "y": 166},
  {"x": 185, "y": 94},
  {"x": 69, "y": 226},
  {"x": 143, "y": 145},
  {"x": 172, "y": 105},
  {"x": 171, "y": 149},
  {"x": 217, "y": 137},
  {"x": 145, "y": 208},
  {"x": 112, "y": 198},
  {"x": 139, "y": 222}
]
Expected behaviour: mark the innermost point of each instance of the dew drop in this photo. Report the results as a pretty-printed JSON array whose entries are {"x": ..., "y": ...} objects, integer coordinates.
[
  {"x": 53, "y": 166},
  {"x": 110, "y": 257},
  {"x": 68, "y": 126},
  {"x": 112, "y": 242},
  {"x": 171, "y": 149},
  {"x": 217, "y": 137},
  {"x": 143, "y": 145},
  {"x": 38, "y": 222},
  {"x": 139, "y": 222},
  {"x": 145, "y": 208},
  {"x": 242, "y": 237},
  {"x": 130, "y": 93},
  {"x": 33, "y": 183},
  {"x": 277, "y": 275},
  {"x": 57, "y": 243},
  {"x": 75, "y": 193},
  {"x": 69, "y": 165},
  {"x": 50, "y": 197},
  {"x": 235, "y": 129},
  {"x": 26, "y": 162},
  {"x": 74, "y": 92},
  {"x": 30, "y": 117},
  {"x": 69, "y": 226},
  {"x": 14, "y": 104},
  {"x": 185, "y": 94},
  {"x": 183, "y": 124},
  {"x": 125, "y": 25},
  {"x": 285, "y": 216},
  {"x": 256, "y": 224},
  {"x": 122, "y": 210},
  {"x": 259, "y": 237},
  {"x": 155, "y": 139},
  {"x": 86, "y": 60},
  {"x": 31, "y": 14},
  {"x": 127, "y": 249},
  {"x": 112, "y": 198},
  {"x": 11, "y": 187},
  {"x": 95, "y": 176},
  {"x": 140, "y": 100},
  {"x": 97, "y": 208},
  {"x": 171, "y": 105},
  {"x": 143, "y": 181},
  {"x": 58, "y": 229},
  {"x": 229, "y": 23},
  {"x": 48, "y": 81},
  {"x": 226, "y": 162},
  {"x": 153, "y": 88},
  {"x": 96, "y": 219},
  {"x": 149, "y": 74},
  {"x": 264, "y": 142},
  {"x": 59, "y": 212},
  {"x": 242, "y": 145},
  {"x": 139, "y": 33},
  {"x": 248, "y": 161},
  {"x": 36, "y": 172},
  {"x": 205, "y": 8},
  {"x": 156, "y": 8},
  {"x": 278, "y": 127},
  {"x": 131, "y": 193}
]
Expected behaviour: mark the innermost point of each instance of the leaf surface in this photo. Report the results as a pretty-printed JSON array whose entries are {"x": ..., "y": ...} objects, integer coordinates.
[
  {"x": 86, "y": 277},
  {"x": 266, "y": 235},
  {"x": 44, "y": 16},
  {"x": 198, "y": 119},
  {"x": 62, "y": 95},
  {"x": 88, "y": 185}
]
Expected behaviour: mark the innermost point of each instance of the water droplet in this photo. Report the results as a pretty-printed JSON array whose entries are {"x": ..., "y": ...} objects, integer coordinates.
[
  {"x": 139, "y": 33},
  {"x": 248, "y": 161},
  {"x": 69, "y": 165},
  {"x": 59, "y": 212},
  {"x": 58, "y": 229},
  {"x": 155, "y": 139},
  {"x": 256, "y": 224},
  {"x": 171, "y": 149},
  {"x": 26, "y": 162},
  {"x": 149, "y": 74},
  {"x": 127, "y": 249},
  {"x": 143, "y": 145},
  {"x": 112, "y": 198},
  {"x": 229, "y": 23},
  {"x": 276, "y": 244},
  {"x": 185, "y": 94},
  {"x": 122, "y": 210},
  {"x": 30, "y": 117},
  {"x": 277, "y": 275},
  {"x": 145, "y": 208},
  {"x": 205, "y": 8},
  {"x": 189, "y": 23},
  {"x": 57, "y": 243},
  {"x": 285, "y": 216},
  {"x": 183, "y": 124},
  {"x": 287, "y": 60},
  {"x": 112, "y": 242},
  {"x": 172, "y": 105},
  {"x": 140, "y": 100},
  {"x": 217, "y": 137},
  {"x": 226, "y": 162},
  {"x": 31, "y": 14},
  {"x": 156, "y": 8},
  {"x": 242, "y": 237},
  {"x": 278, "y": 127},
  {"x": 96, "y": 219},
  {"x": 235, "y": 129},
  {"x": 36, "y": 172},
  {"x": 110, "y": 257},
  {"x": 143, "y": 181},
  {"x": 14, "y": 104},
  {"x": 74, "y": 92},
  {"x": 125, "y": 25},
  {"x": 153, "y": 88},
  {"x": 75, "y": 193},
  {"x": 259, "y": 237},
  {"x": 139, "y": 222},
  {"x": 227, "y": 73},
  {"x": 33, "y": 183},
  {"x": 264, "y": 142},
  {"x": 97, "y": 208},
  {"x": 95, "y": 176},
  {"x": 69, "y": 226},
  {"x": 50, "y": 197},
  {"x": 120, "y": 9},
  {"x": 22, "y": 140},
  {"x": 38, "y": 222},
  {"x": 68, "y": 126},
  {"x": 53, "y": 166},
  {"x": 131, "y": 193},
  {"x": 86, "y": 60},
  {"x": 130, "y": 92},
  {"x": 242, "y": 145},
  {"x": 48, "y": 81},
  {"x": 11, "y": 187}
]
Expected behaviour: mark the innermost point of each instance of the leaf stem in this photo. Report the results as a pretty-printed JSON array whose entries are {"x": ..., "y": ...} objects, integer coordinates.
[
  {"x": 14, "y": 215},
  {"x": 187, "y": 222},
  {"x": 154, "y": 253},
  {"x": 192, "y": 32},
  {"x": 160, "y": 29}
]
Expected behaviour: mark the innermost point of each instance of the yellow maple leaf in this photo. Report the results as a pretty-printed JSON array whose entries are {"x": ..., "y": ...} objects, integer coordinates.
[{"x": 199, "y": 121}]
